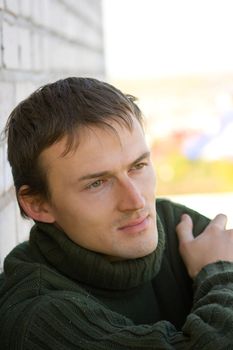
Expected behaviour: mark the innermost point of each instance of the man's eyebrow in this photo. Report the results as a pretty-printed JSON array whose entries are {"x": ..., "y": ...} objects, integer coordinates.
[
  {"x": 143, "y": 156},
  {"x": 108, "y": 173}
]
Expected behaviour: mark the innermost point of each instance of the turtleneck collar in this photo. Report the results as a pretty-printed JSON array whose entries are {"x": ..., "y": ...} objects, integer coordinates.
[{"x": 92, "y": 268}]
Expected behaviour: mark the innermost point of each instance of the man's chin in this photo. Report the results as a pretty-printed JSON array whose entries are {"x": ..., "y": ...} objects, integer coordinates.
[{"x": 142, "y": 252}]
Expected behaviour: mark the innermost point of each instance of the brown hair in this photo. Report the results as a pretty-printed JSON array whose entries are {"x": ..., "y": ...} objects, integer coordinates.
[{"x": 54, "y": 111}]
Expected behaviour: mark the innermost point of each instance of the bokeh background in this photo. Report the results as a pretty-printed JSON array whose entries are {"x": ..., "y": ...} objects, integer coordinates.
[{"x": 176, "y": 56}]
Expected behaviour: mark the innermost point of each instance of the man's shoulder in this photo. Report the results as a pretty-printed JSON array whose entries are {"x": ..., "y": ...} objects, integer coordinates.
[
  {"x": 39, "y": 296},
  {"x": 167, "y": 206},
  {"x": 170, "y": 212},
  {"x": 33, "y": 277},
  {"x": 28, "y": 283}
]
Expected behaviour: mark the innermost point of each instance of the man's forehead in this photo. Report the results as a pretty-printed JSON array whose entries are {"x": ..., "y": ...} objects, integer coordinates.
[{"x": 93, "y": 143}]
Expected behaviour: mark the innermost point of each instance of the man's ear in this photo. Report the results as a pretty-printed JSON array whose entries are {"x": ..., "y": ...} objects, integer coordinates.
[{"x": 35, "y": 206}]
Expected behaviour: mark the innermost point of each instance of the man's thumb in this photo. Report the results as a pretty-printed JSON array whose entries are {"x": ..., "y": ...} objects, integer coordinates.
[{"x": 185, "y": 229}]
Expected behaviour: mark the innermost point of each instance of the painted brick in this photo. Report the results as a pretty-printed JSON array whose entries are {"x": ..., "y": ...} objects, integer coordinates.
[
  {"x": 25, "y": 54},
  {"x": 86, "y": 9},
  {"x": 46, "y": 49},
  {"x": 10, "y": 45},
  {"x": 1, "y": 44},
  {"x": 37, "y": 51},
  {"x": 70, "y": 25},
  {"x": 40, "y": 12},
  {"x": 1, "y": 171},
  {"x": 8, "y": 238},
  {"x": 12, "y": 6},
  {"x": 92, "y": 37},
  {"x": 23, "y": 89},
  {"x": 60, "y": 17},
  {"x": 7, "y": 175},
  {"x": 7, "y": 97},
  {"x": 47, "y": 18},
  {"x": 26, "y": 8}
]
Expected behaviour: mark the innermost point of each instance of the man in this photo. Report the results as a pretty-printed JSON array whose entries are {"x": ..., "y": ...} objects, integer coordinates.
[{"x": 102, "y": 268}]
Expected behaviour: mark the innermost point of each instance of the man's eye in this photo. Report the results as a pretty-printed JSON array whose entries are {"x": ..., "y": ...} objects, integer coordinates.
[
  {"x": 140, "y": 166},
  {"x": 95, "y": 184}
]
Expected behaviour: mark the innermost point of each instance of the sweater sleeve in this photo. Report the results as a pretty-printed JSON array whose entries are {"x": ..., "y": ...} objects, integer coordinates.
[{"x": 67, "y": 321}]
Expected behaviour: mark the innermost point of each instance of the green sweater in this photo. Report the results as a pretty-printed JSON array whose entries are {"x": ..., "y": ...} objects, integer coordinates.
[{"x": 55, "y": 295}]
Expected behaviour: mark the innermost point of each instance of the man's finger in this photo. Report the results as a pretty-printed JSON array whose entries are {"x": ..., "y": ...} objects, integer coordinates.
[
  {"x": 220, "y": 221},
  {"x": 185, "y": 229}
]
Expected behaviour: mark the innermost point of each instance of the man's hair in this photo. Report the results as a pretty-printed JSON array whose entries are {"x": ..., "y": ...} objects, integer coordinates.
[{"x": 55, "y": 111}]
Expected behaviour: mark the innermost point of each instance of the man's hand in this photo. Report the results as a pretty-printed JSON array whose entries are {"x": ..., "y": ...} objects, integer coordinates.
[{"x": 213, "y": 244}]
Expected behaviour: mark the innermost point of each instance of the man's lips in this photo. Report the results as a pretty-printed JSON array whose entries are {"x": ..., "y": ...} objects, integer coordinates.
[{"x": 136, "y": 225}]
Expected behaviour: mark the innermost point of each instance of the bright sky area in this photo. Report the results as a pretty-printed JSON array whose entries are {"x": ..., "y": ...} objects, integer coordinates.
[{"x": 154, "y": 38}]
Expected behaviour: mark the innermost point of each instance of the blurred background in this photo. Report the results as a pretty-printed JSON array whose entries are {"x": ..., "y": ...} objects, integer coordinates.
[{"x": 176, "y": 56}]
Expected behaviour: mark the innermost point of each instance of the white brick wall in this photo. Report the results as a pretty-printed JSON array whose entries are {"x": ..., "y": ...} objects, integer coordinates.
[
  {"x": 8, "y": 237},
  {"x": 7, "y": 99},
  {"x": 1, "y": 170},
  {"x": 40, "y": 41},
  {"x": 10, "y": 45}
]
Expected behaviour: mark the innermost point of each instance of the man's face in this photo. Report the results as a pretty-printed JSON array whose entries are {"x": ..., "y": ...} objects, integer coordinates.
[{"x": 103, "y": 192}]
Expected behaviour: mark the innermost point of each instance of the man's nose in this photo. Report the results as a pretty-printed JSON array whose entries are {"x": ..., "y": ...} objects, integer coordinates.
[{"x": 130, "y": 197}]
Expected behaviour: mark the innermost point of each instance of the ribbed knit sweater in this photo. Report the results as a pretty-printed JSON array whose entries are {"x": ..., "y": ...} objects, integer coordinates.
[{"x": 56, "y": 295}]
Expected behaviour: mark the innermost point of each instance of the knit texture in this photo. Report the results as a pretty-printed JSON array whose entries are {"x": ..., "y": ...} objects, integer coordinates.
[
  {"x": 77, "y": 262},
  {"x": 56, "y": 295}
]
